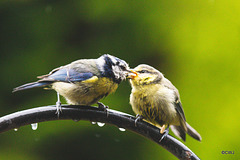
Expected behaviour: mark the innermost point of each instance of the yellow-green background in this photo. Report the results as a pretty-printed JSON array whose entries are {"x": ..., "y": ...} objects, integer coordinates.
[{"x": 196, "y": 44}]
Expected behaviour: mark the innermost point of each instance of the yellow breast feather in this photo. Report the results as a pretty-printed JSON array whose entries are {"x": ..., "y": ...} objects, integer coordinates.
[{"x": 91, "y": 80}]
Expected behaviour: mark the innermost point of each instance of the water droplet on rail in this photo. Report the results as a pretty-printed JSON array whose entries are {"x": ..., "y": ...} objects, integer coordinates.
[
  {"x": 34, "y": 126},
  {"x": 97, "y": 135},
  {"x": 76, "y": 120},
  {"x": 122, "y": 129},
  {"x": 15, "y": 129},
  {"x": 100, "y": 124}
]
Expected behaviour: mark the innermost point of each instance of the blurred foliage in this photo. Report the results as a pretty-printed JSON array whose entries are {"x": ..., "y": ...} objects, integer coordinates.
[{"x": 194, "y": 43}]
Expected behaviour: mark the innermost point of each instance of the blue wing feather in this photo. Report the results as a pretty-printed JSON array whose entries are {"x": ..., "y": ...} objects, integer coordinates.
[
  {"x": 60, "y": 75},
  {"x": 68, "y": 75}
]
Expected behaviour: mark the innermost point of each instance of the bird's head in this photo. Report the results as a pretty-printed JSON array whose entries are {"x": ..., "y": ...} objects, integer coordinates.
[
  {"x": 145, "y": 75},
  {"x": 113, "y": 67}
]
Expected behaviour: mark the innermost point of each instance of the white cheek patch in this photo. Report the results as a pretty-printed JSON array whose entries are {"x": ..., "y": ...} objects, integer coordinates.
[
  {"x": 116, "y": 71},
  {"x": 119, "y": 73}
]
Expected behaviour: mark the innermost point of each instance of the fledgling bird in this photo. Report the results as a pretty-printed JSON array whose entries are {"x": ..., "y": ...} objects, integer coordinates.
[
  {"x": 85, "y": 81},
  {"x": 155, "y": 99}
]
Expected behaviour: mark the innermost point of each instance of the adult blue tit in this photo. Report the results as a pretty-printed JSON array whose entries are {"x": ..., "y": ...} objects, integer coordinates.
[
  {"x": 85, "y": 81},
  {"x": 155, "y": 99}
]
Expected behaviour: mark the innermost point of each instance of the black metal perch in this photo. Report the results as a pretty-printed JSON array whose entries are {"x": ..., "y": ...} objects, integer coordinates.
[{"x": 119, "y": 119}]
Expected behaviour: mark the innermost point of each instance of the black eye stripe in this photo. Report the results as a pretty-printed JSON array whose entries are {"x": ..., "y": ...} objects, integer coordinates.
[
  {"x": 147, "y": 71},
  {"x": 122, "y": 67},
  {"x": 143, "y": 71}
]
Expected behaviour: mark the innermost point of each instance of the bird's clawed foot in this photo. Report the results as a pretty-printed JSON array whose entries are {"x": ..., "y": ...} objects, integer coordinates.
[
  {"x": 138, "y": 118},
  {"x": 164, "y": 131},
  {"x": 58, "y": 105},
  {"x": 59, "y": 108},
  {"x": 102, "y": 107}
]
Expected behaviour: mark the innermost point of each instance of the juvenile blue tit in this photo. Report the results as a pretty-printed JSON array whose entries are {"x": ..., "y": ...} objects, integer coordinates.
[
  {"x": 155, "y": 99},
  {"x": 85, "y": 81}
]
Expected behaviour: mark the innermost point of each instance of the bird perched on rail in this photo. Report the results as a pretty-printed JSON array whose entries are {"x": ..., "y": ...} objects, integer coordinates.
[
  {"x": 85, "y": 81},
  {"x": 155, "y": 99}
]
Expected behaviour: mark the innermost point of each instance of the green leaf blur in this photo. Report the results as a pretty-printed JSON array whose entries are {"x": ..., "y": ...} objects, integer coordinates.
[{"x": 196, "y": 44}]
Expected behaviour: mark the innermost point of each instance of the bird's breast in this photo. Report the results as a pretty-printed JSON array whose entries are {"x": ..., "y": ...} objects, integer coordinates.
[
  {"x": 86, "y": 92},
  {"x": 154, "y": 102}
]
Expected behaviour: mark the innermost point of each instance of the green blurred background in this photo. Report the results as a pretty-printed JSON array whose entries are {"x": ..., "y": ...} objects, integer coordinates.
[{"x": 196, "y": 44}]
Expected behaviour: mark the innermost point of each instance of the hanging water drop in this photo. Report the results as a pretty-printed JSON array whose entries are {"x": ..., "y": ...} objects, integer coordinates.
[
  {"x": 34, "y": 126},
  {"x": 76, "y": 120},
  {"x": 100, "y": 124},
  {"x": 97, "y": 135},
  {"x": 94, "y": 122},
  {"x": 15, "y": 129},
  {"x": 122, "y": 129}
]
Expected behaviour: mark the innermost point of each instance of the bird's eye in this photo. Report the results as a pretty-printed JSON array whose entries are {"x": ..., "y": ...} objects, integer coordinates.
[
  {"x": 122, "y": 67},
  {"x": 143, "y": 71}
]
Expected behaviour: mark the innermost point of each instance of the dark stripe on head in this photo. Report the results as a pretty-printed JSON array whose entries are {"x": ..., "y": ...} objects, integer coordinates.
[
  {"x": 108, "y": 72},
  {"x": 147, "y": 71}
]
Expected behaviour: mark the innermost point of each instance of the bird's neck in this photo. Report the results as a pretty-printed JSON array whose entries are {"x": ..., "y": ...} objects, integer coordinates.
[{"x": 150, "y": 88}]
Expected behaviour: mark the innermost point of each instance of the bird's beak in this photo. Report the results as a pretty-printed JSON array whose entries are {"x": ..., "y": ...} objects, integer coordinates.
[{"x": 131, "y": 74}]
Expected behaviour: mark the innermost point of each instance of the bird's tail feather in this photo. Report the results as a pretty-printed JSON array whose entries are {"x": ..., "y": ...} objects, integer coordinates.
[
  {"x": 181, "y": 133},
  {"x": 193, "y": 133},
  {"x": 31, "y": 85}
]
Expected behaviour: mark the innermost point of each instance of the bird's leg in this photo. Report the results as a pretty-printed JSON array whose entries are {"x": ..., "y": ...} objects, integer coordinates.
[
  {"x": 58, "y": 105},
  {"x": 138, "y": 118},
  {"x": 164, "y": 131},
  {"x": 102, "y": 107}
]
